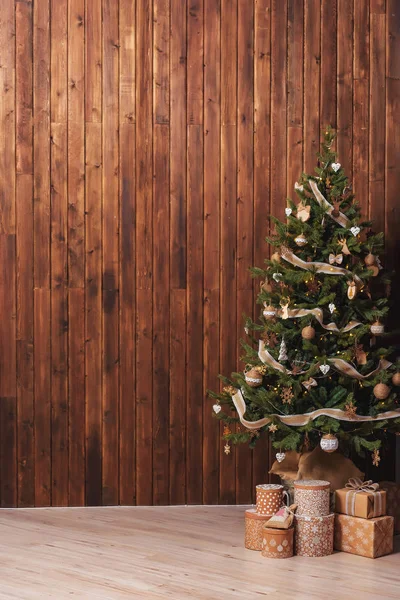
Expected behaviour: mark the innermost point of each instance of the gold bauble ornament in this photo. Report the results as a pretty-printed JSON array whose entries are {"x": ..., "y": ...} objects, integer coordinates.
[
  {"x": 276, "y": 257},
  {"x": 308, "y": 333},
  {"x": 253, "y": 378},
  {"x": 301, "y": 240},
  {"x": 329, "y": 442},
  {"x": 377, "y": 328},
  {"x": 370, "y": 260},
  {"x": 269, "y": 312},
  {"x": 396, "y": 379},
  {"x": 381, "y": 391}
]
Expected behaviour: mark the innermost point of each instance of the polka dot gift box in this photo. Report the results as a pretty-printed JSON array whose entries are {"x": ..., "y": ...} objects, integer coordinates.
[
  {"x": 312, "y": 497},
  {"x": 277, "y": 543},
  {"x": 269, "y": 498}
]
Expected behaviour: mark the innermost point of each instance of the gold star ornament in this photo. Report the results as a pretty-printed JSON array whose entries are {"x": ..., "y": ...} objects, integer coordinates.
[
  {"x": 272, "y": 428},
  {"x": 227, "y": 449}
]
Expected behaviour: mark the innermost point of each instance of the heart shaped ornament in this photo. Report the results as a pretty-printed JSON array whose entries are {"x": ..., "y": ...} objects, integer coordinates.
[
  {"x": 280, "y": 456},
  {"x": 288, "y": 212},
  {"x": 336, "y": 167},
  {"x": 324, "y": 369},
  {"x": 355, "y": 231},
  {"x": 277, "y": 277},
  {"x": 332, "y": 307},
  {"x": 216, "y": 408}
]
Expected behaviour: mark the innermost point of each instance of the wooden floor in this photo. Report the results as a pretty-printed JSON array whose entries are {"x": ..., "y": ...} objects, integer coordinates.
[{"x": 173, "y": 552}]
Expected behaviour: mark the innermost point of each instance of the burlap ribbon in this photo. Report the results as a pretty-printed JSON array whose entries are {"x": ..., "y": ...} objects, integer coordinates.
[
  {"x": 297, "y": 313},
  {"x": 322, "y": 201},
  {"x": 340, "y": 365},
  {"x": 355, "y": 486},
  {"x": 320, "y": 267},
  {"x": 299, "y": 420},
  {"x": 346, "y": 368}
]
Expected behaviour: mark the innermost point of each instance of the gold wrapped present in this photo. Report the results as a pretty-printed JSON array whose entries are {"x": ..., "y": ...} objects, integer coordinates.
[
  {"x": 367, "y": 537},
  {"x": 361, "y": 499},
  {"x": 392, "y": 490}
]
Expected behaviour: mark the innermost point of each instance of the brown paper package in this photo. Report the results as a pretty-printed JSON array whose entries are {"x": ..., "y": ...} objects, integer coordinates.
[
  {"x": 367, "y": 537},
  {"x": 364, "y": 503}
]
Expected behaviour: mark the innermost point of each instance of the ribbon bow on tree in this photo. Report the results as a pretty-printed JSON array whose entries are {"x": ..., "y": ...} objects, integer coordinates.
[
  {"x": 357, "y": 485},
  {"x": 335, "y": 258}
]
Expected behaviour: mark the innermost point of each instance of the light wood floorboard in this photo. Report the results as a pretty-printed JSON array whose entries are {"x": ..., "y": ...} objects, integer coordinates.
[{"x": 168, "y": 552}]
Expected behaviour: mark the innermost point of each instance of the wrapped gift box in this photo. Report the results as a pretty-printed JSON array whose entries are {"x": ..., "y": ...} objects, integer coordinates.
[
  {"x": 367, "y": 537},
  {"x": 277, "y": 543},
  {"x": 253, "y": 533},
  {"x": 363, "y": 504},
  {"x": 312, "y": 497},
  {"x": 392, "y": 501},
  {"x": 269, "y": 498},
  {"x": 314, "y": 535}
]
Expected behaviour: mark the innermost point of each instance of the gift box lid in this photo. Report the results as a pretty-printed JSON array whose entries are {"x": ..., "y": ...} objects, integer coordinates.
[
  {"x": 318, "y": 519},
  {"x": 269, "y": 486},
  {"x": 251, "y": 513},
  {"x": 274, "y": 531},
  {"x": 311, "y": 484}
]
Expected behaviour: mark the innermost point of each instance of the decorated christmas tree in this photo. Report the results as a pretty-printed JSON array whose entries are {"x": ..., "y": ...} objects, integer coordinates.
[{"x": 317, "y": 368}]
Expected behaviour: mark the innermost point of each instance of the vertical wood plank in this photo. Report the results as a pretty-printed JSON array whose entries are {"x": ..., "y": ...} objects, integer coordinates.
[
  {"x": 328, "y": 63},
  {"x": 144, "y": 247},
  {"x": 228, "y": 201},
  {"x": 7, "y": 117},
  {"x": 345, "y": 86},
  {"x": 76, "y": 389},
  {"x": 377, "y": 98},
  {"x": 295, "y": 52},
  {"x": 312, "y": 62},
  {"x": 41, "y": 143},
  {"x": 42, "y": 391},
  {"x": 93, "y": 250},
  {"x": 212, "y": 136},
  {"x": 195, "y": 266},
  {"x": 245, "y": 212},
  {"x": 262, "y": 115},
  {"x": 392, "y": 144},
  {"x": 94, "y": 61},
  {"x": 59, "y": 249},
  {"x": 24, "y": 241},
  {"x": 361, "y": 104},
  {"x": 110, "y": 309},
  {"x": 127, "y": 158},
  {"x": 8, "y": 378},
  {"x": 59, "y": 315},
  {"x": 160, "y": 312},
  {"x": 161, "y": 316},
  {"x": 93, "y": 309},
  {"x": 177, "y": 251},
  {"x": 76, "y": 249}
]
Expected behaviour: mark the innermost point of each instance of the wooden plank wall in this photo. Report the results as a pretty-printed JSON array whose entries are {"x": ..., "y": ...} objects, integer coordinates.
[{"x": 144, "y": 143}]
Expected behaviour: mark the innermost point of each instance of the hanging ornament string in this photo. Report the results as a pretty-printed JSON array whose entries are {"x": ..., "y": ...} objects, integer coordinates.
[
  {"x": 300, "y": 420},
  {"x": 297, "y": 313},
  {"x": 322, "y": 201},
  {"x": 320, "y": 267},
  {"x": 346, "y": 368}
]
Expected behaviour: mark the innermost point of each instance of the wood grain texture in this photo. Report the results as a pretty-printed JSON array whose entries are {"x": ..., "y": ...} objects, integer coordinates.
[
  {"x": 147, "y": 142},
  {"x": 205, "y": 539}
]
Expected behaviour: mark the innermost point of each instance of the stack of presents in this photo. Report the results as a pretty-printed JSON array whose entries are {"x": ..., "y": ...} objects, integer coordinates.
[{"x": 360, "y": 518}]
